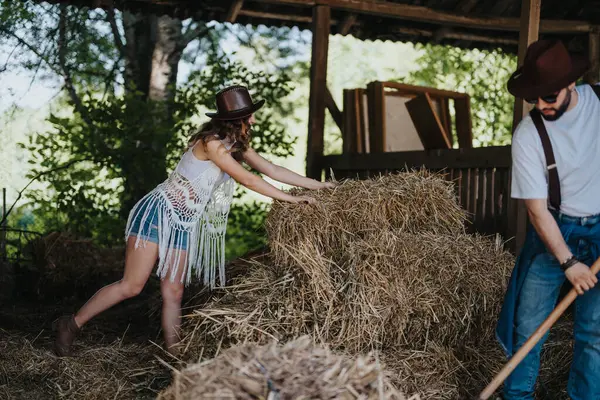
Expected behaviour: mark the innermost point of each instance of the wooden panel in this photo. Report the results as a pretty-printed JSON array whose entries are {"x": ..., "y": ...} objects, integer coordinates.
[
  {"x": 335, "y": 112},
  {"x": 464, "y": 134},
  {"x": 427, "y": 123},
  {"x": 490, "y": 204},
  {"x": 362, "y": 133},
  {"x": 376, "y": 106},
  {"x": 473, "y": 190},
  {"x": 481, "y": 189},
  {"x": 446, "y": 118},
  {"x": 459, "y": 184},
  {"x": 349, "y": 123},
  {"x": 499, "y": 209},
  {"x": 318, "y": 82},
  {"x": 505, "y": 202},
  {"x": 465, "y": 190}
]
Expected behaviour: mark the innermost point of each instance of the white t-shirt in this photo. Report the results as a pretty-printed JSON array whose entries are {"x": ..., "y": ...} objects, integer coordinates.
[{"x": 575, "y": 139}]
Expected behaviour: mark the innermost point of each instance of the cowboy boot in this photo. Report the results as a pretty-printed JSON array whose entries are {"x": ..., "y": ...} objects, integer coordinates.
[{"x": 67, "y": 330}]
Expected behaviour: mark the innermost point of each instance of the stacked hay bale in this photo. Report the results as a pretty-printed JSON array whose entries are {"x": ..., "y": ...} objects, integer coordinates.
[
  {"x": 379, "y": 264},
  {"x": 296, "y": 370}
]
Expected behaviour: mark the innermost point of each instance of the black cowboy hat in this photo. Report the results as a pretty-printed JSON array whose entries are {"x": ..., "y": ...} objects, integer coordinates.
[
  {"x": 234, "y": 102},
  {"x": 548, "y": 68}
]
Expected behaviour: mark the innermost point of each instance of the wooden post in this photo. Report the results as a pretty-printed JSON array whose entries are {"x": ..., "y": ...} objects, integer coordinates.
[
  {"x": 530, "y": 25},
  {"x": 318, "y": 81},
  {"x": 593, "y": 75}
]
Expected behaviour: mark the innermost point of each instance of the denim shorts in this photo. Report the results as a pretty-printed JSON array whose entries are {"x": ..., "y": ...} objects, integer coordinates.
[{"x": 148, "y": 228}]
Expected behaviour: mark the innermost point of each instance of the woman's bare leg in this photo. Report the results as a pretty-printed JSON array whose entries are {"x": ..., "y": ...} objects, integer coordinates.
[
  {"x": 172, "y": 293},
  {"x": 138, "y": 267}
]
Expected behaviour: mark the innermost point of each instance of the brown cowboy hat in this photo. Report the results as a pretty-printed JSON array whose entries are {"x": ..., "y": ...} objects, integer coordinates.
[
  {"x": 234, "y": 102},
  {"x": 548, "y": 68}
]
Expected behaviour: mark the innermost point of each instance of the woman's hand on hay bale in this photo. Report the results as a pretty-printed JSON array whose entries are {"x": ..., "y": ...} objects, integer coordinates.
[
  {"x": 329, "y": 185},
  {"x": 581, "y": 277},
  {"x": 303, "y": 200}
]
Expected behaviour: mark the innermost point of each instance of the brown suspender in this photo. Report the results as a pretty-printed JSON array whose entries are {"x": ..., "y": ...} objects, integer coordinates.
[{"x": 553, "y": 181}]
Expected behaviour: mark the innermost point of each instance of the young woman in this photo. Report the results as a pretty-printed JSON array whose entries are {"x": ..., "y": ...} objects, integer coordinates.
[{"x": 181, "y": 223}]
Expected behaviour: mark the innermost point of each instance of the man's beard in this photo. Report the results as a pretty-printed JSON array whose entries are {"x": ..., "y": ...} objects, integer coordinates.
[{"x": 561, "y": 110}]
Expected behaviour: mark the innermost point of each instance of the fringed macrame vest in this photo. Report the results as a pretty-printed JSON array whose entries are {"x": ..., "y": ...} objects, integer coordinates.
[{"x": 198, "y": 207}]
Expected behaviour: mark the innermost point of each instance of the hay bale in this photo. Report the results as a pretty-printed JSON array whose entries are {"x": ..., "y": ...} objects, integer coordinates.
[
  {"x": 397, "y": 274},
  {"x": 410, "y": 202},
  {"x": 297, "y": 369},
  {"x": 29, "y": 370},
  {"x": 393, "y": 288},
  {"x": 412, "y": 288}
]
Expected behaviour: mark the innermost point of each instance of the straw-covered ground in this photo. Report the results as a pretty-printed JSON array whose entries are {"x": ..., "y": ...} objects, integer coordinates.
[{"x": 376, "y": 291}]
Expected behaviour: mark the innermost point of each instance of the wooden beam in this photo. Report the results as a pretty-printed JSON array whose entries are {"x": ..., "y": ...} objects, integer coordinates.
[
  {"x": 457, "y": 36},
  {"x": 425, "y": 14},
  {"x": 593, "y": 75},
  {"x": 234, "y": 10},
  {"x": 335, "y": 112},
  {"x": 280, "y": 17},
  {"x": 405, "y": 88},
  {"x": 347, "y": 24},
  {"x": 318, "y": 86},
  {"x": 530, "y": 26},
  {"x": 427, "y": 123}
]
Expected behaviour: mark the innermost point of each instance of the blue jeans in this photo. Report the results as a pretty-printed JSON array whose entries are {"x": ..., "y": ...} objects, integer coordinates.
[
  {"x": 145, "y": 223},
  {"x": 537, "y": 300}
]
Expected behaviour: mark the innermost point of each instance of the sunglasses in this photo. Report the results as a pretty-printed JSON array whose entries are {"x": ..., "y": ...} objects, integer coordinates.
[{"x": 549, "y": 98}]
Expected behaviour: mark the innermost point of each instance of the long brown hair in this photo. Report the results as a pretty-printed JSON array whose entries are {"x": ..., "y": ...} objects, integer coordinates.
[{"x": 236, "y": 132}]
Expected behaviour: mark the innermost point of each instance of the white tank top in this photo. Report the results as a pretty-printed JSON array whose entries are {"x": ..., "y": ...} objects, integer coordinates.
[{"x": 190, "y": 166}]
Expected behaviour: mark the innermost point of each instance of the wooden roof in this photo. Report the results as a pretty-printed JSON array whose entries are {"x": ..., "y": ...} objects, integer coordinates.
[{"x": 462, "y": 23}]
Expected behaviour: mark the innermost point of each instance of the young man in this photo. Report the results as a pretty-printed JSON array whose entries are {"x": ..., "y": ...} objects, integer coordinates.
[{"x": 556, "y": 170}]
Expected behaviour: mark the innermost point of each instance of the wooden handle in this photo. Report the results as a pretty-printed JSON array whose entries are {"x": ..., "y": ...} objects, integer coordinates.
[{"x": 533, "y": 340}]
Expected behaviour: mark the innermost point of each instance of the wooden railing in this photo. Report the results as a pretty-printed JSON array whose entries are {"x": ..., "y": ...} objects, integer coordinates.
[{"x": 481, "y": 177}]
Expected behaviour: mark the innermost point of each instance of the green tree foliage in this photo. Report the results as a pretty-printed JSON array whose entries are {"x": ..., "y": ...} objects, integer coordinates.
[
  {"x": 87, "y": 196},
  {"x": 116, "y": 138}
]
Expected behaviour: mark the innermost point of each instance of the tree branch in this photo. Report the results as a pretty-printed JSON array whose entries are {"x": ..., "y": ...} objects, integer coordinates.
[
  {"x": 32, "y": 49},
  {"x": 62, "y": 60},
  {"x": 193, "y": 33},
  {"x": 66, "y": 165},
  {"x": 5, "y": 67},
  {"x": 110, "y": 16}
]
